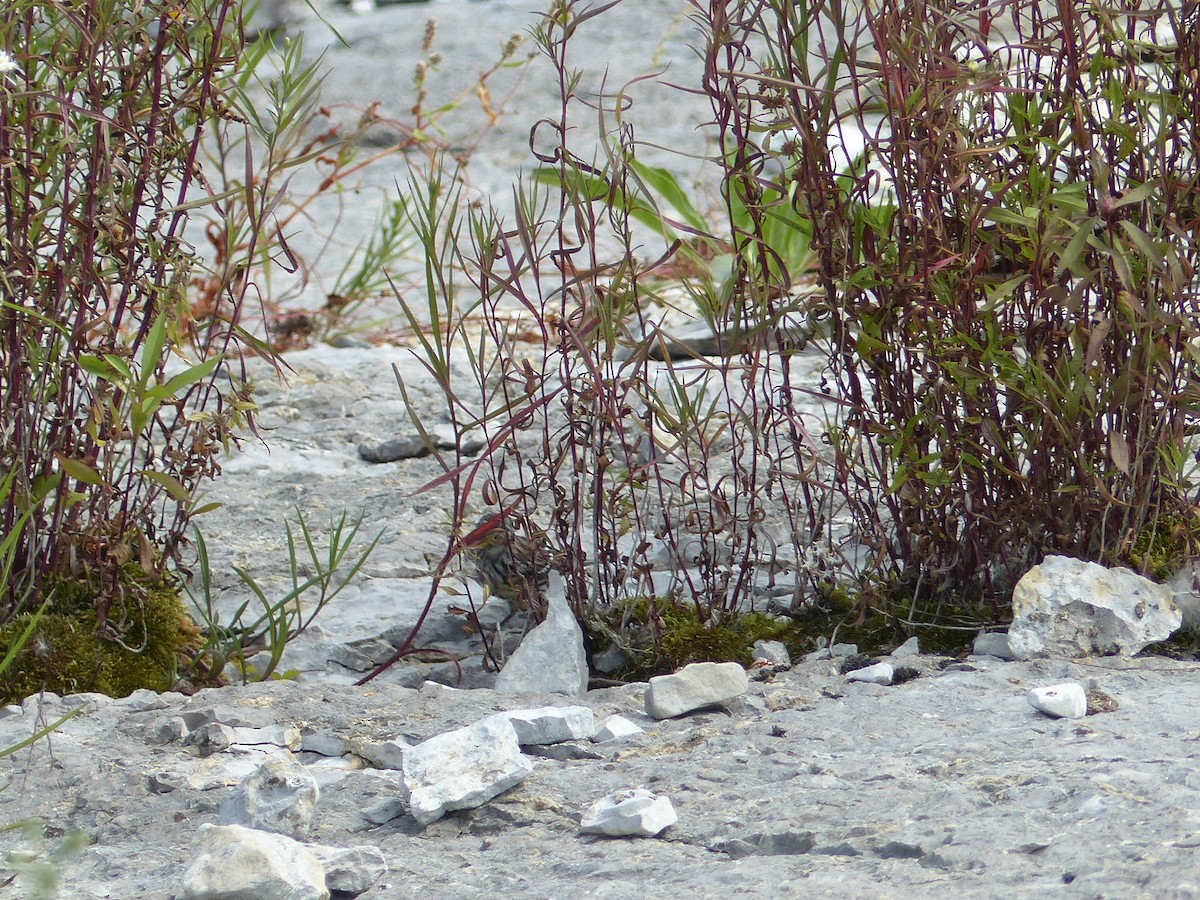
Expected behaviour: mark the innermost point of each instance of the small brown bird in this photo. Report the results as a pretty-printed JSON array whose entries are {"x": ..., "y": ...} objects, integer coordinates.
[{"x": 510, "y": 565}]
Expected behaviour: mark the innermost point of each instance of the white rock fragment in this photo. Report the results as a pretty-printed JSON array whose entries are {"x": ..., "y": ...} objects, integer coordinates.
[
  {"x": 285, "y": 737},
  {"x": 462, "y": 769},
  {"x": 694, "y": 687},
  {"x": 551, "y": 724},
  {"x": 911, "y": 647},
  {"x": 551, "y": 658},
  {"x": 880, "y": 673},
  {"x": 236, "y": 863},
  {"x": 993, "y": 643},
  {"x": 625, "y": 813},
  {"x": 614, "y": 728},
  {"x": 1060, "y": 701},
  {"x": 279, "y": 796},
  {"x": 1067, "y": 607},
  {"x": 774, "y": 652}
]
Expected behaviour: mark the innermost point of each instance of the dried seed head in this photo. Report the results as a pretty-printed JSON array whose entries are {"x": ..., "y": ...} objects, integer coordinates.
[{"x": 430, "y": 34}]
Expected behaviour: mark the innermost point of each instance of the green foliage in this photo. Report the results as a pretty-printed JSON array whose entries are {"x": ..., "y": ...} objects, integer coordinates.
[
  {"x": 226, "y": 640},
  {"x": 142, "y": 643}
]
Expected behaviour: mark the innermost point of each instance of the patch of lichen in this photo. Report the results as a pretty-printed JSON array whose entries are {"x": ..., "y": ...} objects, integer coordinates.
[
  {"x": 1162, "y": 547},
  {"x": 146, "y": 635}
]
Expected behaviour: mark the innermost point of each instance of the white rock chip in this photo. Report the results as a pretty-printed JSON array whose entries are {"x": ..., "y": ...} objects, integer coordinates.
[
  {"x": 279, "y": 796},
  {"x": 381, "y": 754},
  {"x": 625, "y": 813},
  {"x": 694, "y": 687},
  {"x": 880, "y": 673},
  {"x": 1061, "y": 701},
  {"x": 774, "y": 652},
  {"x": 993, "y": 643},
  {"x": 614, "y": 728},
  {"x": 1067, "y": 607},
  {"x": 462, "y": 769},
  {"x": 551, "y": 658},
  {"x": 911, "y": 647},
  {"x": 236, "y": 863},
  {"x": 551, "y": 724}
]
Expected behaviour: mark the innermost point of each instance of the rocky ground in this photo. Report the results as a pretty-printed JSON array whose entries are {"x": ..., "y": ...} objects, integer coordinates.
[{"x": 807, "y": 784}]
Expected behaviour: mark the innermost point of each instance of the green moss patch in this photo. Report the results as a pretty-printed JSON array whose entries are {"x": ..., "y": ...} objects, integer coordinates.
[{"x": 146, "y": 634}]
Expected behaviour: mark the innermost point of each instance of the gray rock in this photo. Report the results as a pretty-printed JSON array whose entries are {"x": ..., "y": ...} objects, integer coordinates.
[
  {"x": 280, "y": 796},
  {"x": 381, "y": 754},
  {"x": 911, "y": 647},
  {"x": 614, "y": 728},
  {"x": 818, "y": 655},
  {"x": 462, "y": 769},
  {"x": 993, "y": 643},
  {"x": 694, "y": 687},
  {"x": 551, "y": 658},
  {"x": 880, "y": 673},
  {"x": 1060, "y": 701},
  {"x": 1067, "y": 607},
  {"x": 393, "y": 450},
  {"x": 284, "y": 737},
  {"x": 844, "y": 650},
  {"x": 211, "y": 738},
  {"x": 236, "y": 863},
  {"x": 629, "y": 813},
  {"x": 1184, "y": 586},
  {"x": 774, "y": 652},
  {"x": 551, "y": 724},
  {"x": 350, "y": 870}
]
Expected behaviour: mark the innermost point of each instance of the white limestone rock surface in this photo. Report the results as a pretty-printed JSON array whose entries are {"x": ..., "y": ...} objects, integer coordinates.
[
  {"x": 694, "y": 687},
  {"x": 1069, "y": 608},
  {"x": 232, "y": 862},
  {"x": 462, "y": 769}
]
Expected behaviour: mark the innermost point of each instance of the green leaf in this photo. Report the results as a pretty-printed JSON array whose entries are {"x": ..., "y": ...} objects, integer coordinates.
[
  {"x": 174, "y": 487},
  {"x": 80, "y": 471},
  {"x": 667, "y": 186}
]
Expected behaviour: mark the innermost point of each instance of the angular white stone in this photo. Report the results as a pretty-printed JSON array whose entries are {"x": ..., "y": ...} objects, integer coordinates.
[
  {"x": 236, "y": 863},
  {"x": 911, "y": 647},
  {"x": 616, "y": 727},
  {"x": 880, "y": 673},
  {"x": 279, "y": 796},
  {"x": 694, "y": 687},
  {"x": 1067, "y": 607},
  {"x": 551, "y": 658},
  {"x": 551, "y": 724},
  {"x": 774, "y": 652},
  {"x": 636, "y": 812},
  {"x": 1060, "y": 701},
  {"x": 992, "y": 643},
  {"x": 462, "y": 769}
]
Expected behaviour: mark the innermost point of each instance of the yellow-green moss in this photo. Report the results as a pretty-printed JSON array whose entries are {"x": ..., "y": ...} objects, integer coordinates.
[
  {"x": 1161, "y": 548},
  {"x": 148, "y": 631}
]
